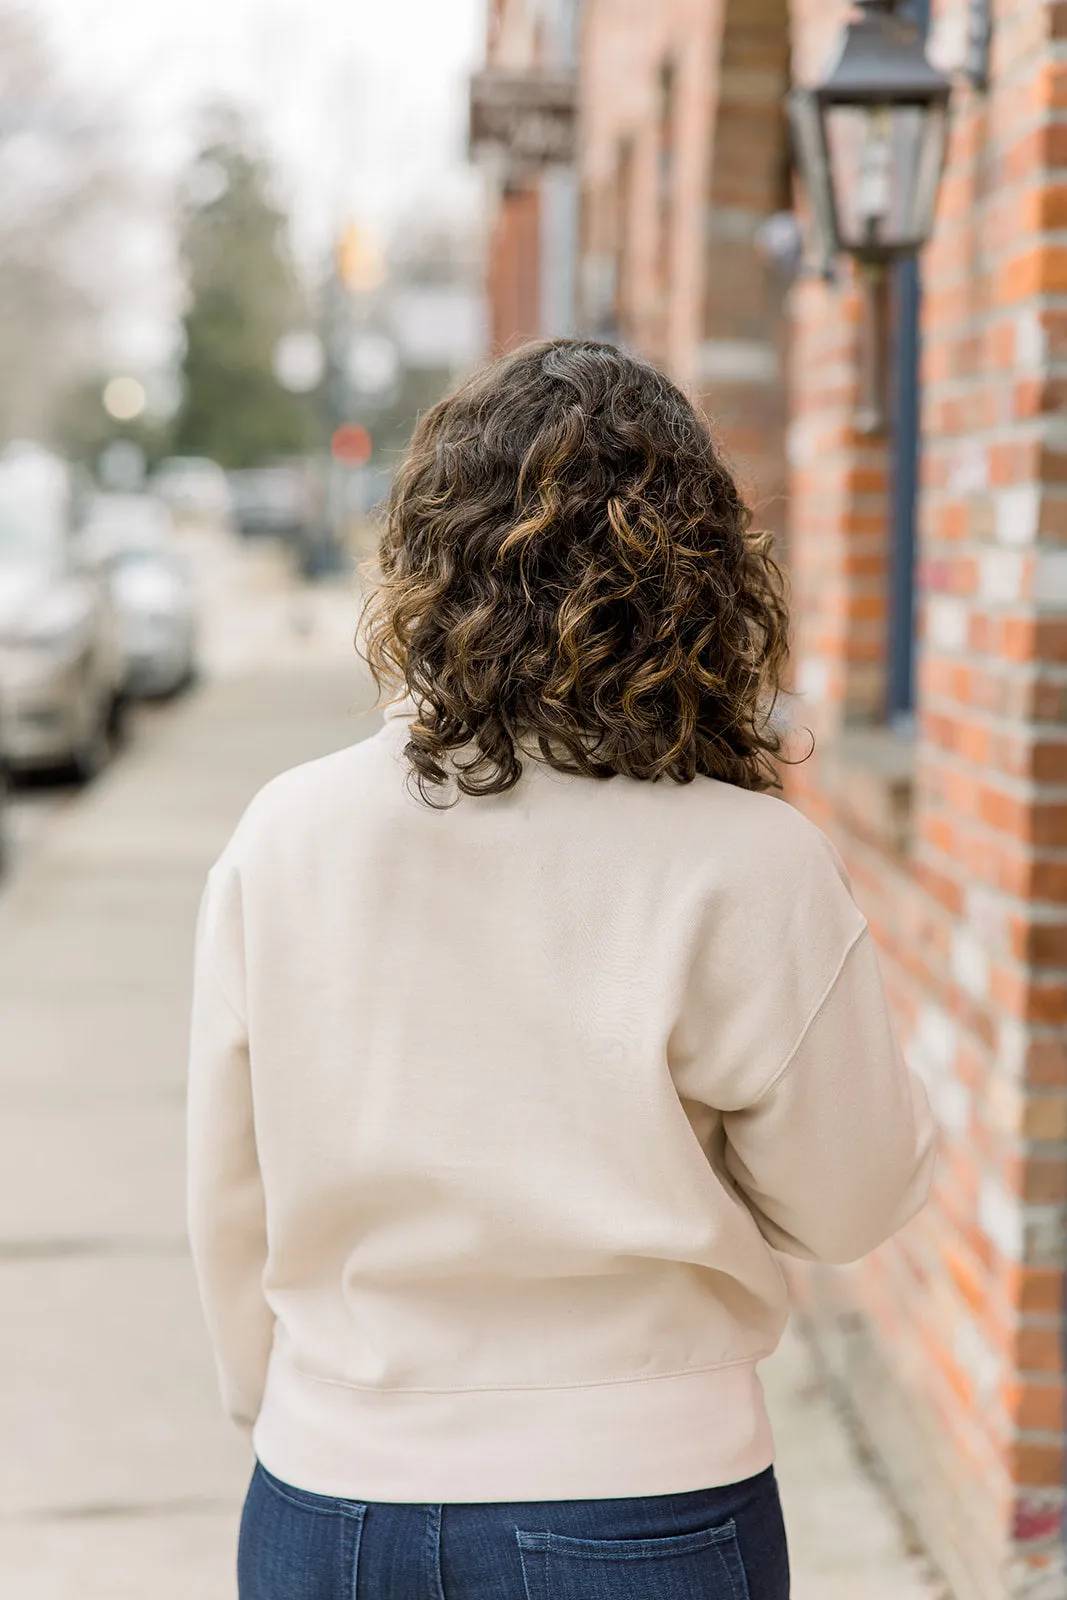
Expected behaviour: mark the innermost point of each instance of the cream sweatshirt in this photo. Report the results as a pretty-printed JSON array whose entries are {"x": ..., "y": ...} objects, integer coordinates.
[{"x": 499, "y": 1114}]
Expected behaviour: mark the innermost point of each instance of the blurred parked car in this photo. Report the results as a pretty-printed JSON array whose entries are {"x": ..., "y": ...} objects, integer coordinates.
[
  {"x": 131, "y": 539},
  {"x": 194, "y": 488},
  {"x": 60, "y": 670},
  {"x": 5, "y": 791},
  {"x": 275, "y": 500}
]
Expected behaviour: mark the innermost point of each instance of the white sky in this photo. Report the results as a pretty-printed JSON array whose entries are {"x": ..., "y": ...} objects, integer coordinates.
[{"x": 362, "y": 102}]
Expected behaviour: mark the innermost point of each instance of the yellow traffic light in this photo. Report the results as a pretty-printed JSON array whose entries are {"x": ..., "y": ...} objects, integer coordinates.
[{"x": 360, "y": 264}]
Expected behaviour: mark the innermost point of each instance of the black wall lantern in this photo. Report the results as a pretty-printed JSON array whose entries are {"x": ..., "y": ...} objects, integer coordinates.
[{"x": 870, "y": 143}]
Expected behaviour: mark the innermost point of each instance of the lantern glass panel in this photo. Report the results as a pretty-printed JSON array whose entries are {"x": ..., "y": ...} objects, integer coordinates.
[
  {"x": 812, "y": 159},
  {"x": 885, "y": 163}
]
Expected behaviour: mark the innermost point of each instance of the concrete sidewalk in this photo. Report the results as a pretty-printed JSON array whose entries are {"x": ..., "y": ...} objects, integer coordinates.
[{"x": 119, "y": 1479}]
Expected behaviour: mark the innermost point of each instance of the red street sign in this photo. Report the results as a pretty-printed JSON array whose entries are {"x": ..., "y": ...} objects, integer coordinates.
[{"x": 351, "y": 445}]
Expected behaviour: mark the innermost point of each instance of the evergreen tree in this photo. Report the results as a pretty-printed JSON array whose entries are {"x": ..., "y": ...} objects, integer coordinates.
[{"x": 243, "y": 296}]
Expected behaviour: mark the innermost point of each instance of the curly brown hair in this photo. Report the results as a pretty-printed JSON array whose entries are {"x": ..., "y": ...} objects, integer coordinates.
[{"x": 567, "y": 572}]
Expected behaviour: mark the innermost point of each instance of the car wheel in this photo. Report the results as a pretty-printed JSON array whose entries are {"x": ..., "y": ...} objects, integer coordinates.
[
  {"x": 5, "y": 843},
  {"x": 93, "y": 753},
  {"x": 189, "y": 678},
  {"x": 117, "y": 719}
]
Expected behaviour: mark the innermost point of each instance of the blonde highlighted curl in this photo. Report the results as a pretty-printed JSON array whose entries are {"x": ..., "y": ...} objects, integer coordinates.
[{"x": 567, "y": 572}]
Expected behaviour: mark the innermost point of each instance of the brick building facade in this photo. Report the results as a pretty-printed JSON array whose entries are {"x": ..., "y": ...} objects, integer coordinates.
[
  {"x": 948, "y": 1344},
  {"x": 533, "y": 241},
  {"x": 950, "y": 1340}
]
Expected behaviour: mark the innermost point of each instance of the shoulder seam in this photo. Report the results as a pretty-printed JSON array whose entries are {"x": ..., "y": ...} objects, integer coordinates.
[{"x": 812, "y": 1016}]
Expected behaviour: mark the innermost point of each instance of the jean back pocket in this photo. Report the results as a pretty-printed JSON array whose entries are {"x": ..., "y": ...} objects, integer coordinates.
[{"x": 706, "y": 1565}]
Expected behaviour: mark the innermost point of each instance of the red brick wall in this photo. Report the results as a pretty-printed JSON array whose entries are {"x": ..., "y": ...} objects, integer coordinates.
[
  {"x": 838, "y": 505},
  {"x": 698, "y": 298},
  {"x": 513, "y": 254},
  {"x": 514, "y": 269},
  {"x": 960, "y": 1319},
  {"x": 625, "y": 44},
  {"x": 742, "y": 356}
]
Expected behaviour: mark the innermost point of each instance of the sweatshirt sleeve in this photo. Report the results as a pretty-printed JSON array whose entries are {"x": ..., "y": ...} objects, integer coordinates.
[
  {"x": 227, "y": 1219},
  {"x": 838, "y": 1150}
]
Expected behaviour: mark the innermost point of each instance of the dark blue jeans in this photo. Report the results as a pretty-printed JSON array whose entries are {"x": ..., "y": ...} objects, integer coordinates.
[{"x": 715, "y": 1544}]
